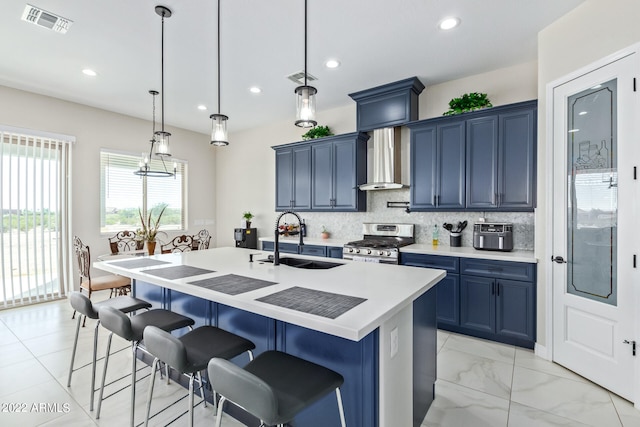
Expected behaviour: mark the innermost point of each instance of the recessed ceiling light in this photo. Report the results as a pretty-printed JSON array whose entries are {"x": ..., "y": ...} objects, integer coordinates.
[
  {"x": 332, "y": 63},
  {"x": 89, "y": 72},
  {"x": 255, "y": 89},
  {"x": 449, "y": 23},
  {"x": 202, "y": 107}
]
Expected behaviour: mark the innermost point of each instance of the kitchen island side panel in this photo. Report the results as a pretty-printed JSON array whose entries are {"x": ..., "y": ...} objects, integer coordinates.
[
  {"x": 356, "y": 361},
  {"x": 424, "y": 354}
]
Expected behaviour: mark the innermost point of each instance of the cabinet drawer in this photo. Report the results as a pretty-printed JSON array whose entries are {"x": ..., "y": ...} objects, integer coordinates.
[
  {"x": 450, "y": 264},
  {"x": 290, "y": 248},
  {"x": 313, "y": 250},
  {"x": 498, "y": 269}
]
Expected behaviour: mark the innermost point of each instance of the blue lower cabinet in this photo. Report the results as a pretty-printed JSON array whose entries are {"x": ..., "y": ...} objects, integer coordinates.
[
  {"x": 357, "y": 362},
  {"x": 313, "y": 250},
  {"x": 425, "y": 341},
  {"x": 259, "y": 329},
  {"x": 334, "y": 252},
  {"x": 198, "y": 309},
  {"x": 288, "y": 248},
  {"x": 448, "y": 309},
  {"x": 478, "y": 303},
  {"x": 153, "y": 294},
  {"x": 515, "y": 310}
]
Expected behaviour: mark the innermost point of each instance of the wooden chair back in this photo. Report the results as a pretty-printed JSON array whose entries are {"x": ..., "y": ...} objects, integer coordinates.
[
  {"x": 182, "y": 243},
  {"x": 201, "y": 240},
  {"x": 125, "y": 241}
]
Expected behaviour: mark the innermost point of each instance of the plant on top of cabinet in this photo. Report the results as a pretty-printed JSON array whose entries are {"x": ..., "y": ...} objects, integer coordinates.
[
  {"x": 468, "y": 102},
  {"x": 317, "y": 132}
]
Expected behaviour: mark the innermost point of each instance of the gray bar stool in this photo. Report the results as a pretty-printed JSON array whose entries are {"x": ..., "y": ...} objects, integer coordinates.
[
  {"x": 131, "y": 329},
  {"x": 274, "y": 387},
  {"x": 190, "y": 354},
  {"x": 83, "y": 305}
]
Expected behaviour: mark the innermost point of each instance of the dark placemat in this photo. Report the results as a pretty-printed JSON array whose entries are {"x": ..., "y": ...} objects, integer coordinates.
[
  {"x": 320, "y": 303},
  {"x": 232, "y": 284},
  {"x": 177, "y": 272},
  {"x": 137, "y": 263}
]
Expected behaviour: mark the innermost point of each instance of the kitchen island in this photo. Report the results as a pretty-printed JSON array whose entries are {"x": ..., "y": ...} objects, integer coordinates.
[{"x": 373, "y": 323}]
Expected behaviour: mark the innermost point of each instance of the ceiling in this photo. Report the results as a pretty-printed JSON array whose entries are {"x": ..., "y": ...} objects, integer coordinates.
[{"x": 376, "y": 41}]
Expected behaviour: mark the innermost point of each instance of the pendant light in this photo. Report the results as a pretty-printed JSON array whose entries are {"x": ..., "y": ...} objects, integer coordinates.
[
  {"x": 162, "y": 137},
  {"x": 305, "y": 95},
  {"x": 219, "y": 135},
  {"x": 144, "y": 169}
]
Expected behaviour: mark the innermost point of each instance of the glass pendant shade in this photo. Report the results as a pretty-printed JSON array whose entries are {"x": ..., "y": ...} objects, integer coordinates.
[
  {"x": 162, "y": 143},
  {"x": 219, "y": 135},
  {"x": 306, "y": 106}
]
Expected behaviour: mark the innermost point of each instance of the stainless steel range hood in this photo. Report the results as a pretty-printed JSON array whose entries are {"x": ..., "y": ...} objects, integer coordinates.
[{"x": 386, "y": 161}]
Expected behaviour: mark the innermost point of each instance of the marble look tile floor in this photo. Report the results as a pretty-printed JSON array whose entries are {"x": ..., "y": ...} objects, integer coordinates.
[{"x": 480, "y": 383}]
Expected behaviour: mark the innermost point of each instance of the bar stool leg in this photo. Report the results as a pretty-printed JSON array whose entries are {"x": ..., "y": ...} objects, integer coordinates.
[
  {"x": 75, "y": 346},
  {"x": 191, "y": 378},
  {"x": 134, "y": 347},
  {"x": 204, "y": 400},
  {"x": 104, "y": 376},
  {"x": 93, "y": 365},
  {"x": 219, "y": 414},
  {"x": 340, "y": 407},
  {"x": 154, "y": 366}
]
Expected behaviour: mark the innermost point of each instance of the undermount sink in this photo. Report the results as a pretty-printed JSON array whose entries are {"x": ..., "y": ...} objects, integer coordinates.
[{"x": 304, "y": 263}]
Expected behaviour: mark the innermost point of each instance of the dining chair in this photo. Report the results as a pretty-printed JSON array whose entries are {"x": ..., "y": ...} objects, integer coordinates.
[
  {"x": 117, "y": 285},
  {"x": 125, "y": 241},
  {"x": 201, "y": 240},
  {"x": 182, "y": 243}
]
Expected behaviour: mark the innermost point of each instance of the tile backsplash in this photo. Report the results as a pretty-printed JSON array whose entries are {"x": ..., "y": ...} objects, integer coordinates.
[{"x": 348, "y": 225}]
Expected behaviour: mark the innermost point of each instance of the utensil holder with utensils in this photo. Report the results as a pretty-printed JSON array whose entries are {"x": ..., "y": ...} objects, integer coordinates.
[
  {"x": 455, "y": 240},
  {"x": 455, "y": 237}
]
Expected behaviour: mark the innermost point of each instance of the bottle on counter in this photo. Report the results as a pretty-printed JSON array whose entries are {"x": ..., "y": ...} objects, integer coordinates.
[{"x": 434, "y": 235}]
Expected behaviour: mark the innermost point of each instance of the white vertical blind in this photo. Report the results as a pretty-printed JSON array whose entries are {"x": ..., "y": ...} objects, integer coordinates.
[{"x": 35, "y": 241}]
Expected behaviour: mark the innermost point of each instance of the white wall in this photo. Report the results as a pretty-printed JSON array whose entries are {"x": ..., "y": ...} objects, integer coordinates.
[
  {"x": 95, "y": 129},
  {"x": 590, "y": 32}
]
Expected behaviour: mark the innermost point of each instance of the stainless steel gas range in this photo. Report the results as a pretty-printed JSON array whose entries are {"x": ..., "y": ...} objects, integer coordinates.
[{"x": 380, "y": 243}]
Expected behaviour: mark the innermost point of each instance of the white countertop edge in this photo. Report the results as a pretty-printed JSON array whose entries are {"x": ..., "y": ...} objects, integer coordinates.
[
  {"x": 353, "y": 325},
  {"x": 467, "y": 252}
]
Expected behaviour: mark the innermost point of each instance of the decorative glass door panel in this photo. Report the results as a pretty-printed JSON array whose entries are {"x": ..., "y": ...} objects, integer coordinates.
[{"x": 592, "y": 193}]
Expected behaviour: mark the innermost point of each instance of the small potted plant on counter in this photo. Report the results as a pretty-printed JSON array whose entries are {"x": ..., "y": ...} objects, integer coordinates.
[
  {"x": 248, "y": 216},
  {"x": 325, "y": 233}
]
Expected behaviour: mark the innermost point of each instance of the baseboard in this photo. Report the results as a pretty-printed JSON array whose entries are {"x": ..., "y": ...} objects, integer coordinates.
[{"x": 541, "y": 351}]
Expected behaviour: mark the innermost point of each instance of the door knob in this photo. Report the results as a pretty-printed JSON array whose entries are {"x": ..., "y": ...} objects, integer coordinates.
[{"x": 558, "y": 259}]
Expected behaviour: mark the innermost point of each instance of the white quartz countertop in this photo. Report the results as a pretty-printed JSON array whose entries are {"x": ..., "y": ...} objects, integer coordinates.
[
  {"x": 469, "y": 252},
  {"x": 387, "y": 288}
]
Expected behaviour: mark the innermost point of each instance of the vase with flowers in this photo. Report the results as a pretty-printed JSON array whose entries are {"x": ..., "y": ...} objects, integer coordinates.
[{"x": 150, "y": 229}]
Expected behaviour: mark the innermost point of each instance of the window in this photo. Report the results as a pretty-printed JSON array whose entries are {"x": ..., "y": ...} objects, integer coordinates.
[{"x": 122, "y": 193}]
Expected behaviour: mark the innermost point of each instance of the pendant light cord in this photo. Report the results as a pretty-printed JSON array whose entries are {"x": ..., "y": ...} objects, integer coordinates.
[
  {"x": 305, "y": 42},
  {"x": 218, "y": 56},
  {"x": 162, "y": 71}
]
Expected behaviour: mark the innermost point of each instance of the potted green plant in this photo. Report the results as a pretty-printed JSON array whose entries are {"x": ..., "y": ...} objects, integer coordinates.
[
  {"x": 150, "y": 229},
  {"x": 468, "y": 102},
  {"x": 317, "y": 132},
  {"x": 325, "y": 233},
  {"x": 248, "y": 216}
]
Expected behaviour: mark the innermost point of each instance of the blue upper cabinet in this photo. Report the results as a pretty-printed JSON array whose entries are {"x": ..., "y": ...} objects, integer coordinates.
[
  {"x": 479, "y": 161},
  {"x": 338, "y": 167},
  {"x": 388, "y": 105},
  {"x": 501, "y": 165},
  {"x": 293, "y": 178},
  {"x": 322, "y": 175},
  {"x": 438, "y": 166}
]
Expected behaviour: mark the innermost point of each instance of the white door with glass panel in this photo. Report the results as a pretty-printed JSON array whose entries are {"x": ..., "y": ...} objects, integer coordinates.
[{"x": 595, "y": 225}]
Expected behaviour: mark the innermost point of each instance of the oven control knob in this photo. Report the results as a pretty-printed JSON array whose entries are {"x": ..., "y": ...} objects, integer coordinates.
[
  {"x": 350, "y": 250},
  {"x": 368, "y": 251},
  {"x": 380, "y": 253},
  {"x": 357, "y": 251},
  {"x": 388, "y": 253}
]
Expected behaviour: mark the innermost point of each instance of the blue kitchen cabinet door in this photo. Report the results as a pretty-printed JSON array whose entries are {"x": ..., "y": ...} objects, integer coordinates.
[
  {"x": 334, "y": 252},
  {"x": 482, "y": 163},
  {"x": 438, "y": 167},
  {"x": 448, "y": 298},
  {"x": 516, "y": 160},
  {"x": 293, "y": 178},
  {"x": 322, "y": 176},
  {"x": 338, "y": 167},
  {"x": 515, "y": 315},
  {"x": 478, "y": 303}
]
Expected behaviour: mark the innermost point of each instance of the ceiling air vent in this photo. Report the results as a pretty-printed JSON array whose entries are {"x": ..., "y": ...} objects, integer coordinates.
[
  {"x": 298, "y": 77},
  {"x": 46, "y": 19}
]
